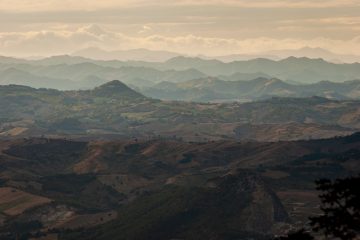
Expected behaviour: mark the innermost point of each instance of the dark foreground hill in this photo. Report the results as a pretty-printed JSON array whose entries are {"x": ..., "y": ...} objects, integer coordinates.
[
  {"x": 164, "y": 189},
  {"x": 113, "y": 110}
]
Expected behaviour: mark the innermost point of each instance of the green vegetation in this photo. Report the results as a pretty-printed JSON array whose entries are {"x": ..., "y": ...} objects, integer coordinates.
[{"x": 115, "y": 109}]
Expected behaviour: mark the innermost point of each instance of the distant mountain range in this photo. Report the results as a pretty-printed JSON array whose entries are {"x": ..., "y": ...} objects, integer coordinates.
[
  {"x": 307, "y": 52},
  {"x": 186, "y": 85},
  {"x": 67, "y": 72},
  {"x": 126, "y": 55},
  {"x": 217, "y": 90},
  {"x": 78, "y": 73},
  {"x": 302, "y": 70},
  {"x": 315, "y": 53},
  {"x": 160, "y": 56}
]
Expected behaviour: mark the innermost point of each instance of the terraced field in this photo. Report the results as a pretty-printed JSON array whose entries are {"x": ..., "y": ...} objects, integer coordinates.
[{"x": 14, "y": 202}]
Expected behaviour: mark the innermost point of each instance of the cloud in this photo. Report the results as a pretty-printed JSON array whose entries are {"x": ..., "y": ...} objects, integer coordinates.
[
  {"x": 211, "y": 18},
  {"x": 54, "y": 42},
  {"x": 273, "y": 3},
  {"x": 56, "y": 5},
  {"x": 92, "y": 5},
  {"x": 345, "y": 20},
  {"x": 145, "y": 29}
]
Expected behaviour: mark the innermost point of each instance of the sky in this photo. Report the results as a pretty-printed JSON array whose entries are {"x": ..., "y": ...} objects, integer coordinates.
[{"x": 211, "y": 27}]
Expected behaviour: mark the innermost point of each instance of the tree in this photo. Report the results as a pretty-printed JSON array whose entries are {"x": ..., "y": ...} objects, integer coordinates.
[
  {"x": 341, "y": 208},
  {"x": 299, "y": 235}
]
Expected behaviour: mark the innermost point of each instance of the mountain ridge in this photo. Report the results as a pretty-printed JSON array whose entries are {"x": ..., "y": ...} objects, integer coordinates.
[
  {"x": 302, "y": 70},
  {"x": 216, "y": 89}
]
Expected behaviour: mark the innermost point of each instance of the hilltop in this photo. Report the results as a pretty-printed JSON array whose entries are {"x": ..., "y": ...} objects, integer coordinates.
[
  {"x": 115, "y": 110},
  {"x": 116, "y": 89}
]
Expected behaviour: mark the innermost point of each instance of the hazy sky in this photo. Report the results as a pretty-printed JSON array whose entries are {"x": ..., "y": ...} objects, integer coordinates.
[{"x": 212, "y": 27}]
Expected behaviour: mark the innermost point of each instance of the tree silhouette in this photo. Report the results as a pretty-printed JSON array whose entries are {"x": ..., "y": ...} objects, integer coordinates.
[
  {"x": 299, "y": 235},
  {"x": 341, "y": 208}
]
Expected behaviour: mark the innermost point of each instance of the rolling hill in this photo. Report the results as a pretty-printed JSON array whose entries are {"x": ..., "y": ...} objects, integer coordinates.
[
  {"x": 114, "y": 110},
  {"x": 164, "y": 189},
  {"x": 216, "y": 90}
]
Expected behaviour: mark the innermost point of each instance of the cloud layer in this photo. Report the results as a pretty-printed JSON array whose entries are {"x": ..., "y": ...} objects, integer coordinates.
[
  {"x": 211, "y": 27},
  {"x": 91, "y": 5},
  {"x": 65, "y": 41}
]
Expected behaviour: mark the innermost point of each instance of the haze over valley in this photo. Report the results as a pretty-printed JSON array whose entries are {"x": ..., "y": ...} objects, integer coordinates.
[{"x": 191, "y": 79}]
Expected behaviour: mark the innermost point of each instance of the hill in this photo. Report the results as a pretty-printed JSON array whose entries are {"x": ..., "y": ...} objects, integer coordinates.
[
  {"x": 116, "y": 89},
  {"x": 114, "y": 110},
  {"x": 216, "y": 90},
  {"x": 161, "y": 189},
  {"x": 20, "y": 77}
]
